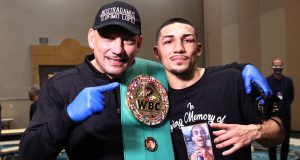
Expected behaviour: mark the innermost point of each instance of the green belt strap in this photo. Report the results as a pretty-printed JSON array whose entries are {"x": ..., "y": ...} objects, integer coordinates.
[{"x": 134, "y": 132}]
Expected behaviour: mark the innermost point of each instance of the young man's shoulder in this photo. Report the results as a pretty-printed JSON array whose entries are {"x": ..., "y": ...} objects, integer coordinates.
[{"x": 229, "y": 72}]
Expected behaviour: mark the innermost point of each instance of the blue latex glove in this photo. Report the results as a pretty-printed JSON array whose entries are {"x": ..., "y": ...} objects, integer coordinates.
[
  {"x": 252, "y": 75},
  {"x": 89, "y": 101}
]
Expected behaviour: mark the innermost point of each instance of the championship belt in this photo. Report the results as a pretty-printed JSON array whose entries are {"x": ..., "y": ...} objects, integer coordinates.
[{"x": 144, "y": 107}]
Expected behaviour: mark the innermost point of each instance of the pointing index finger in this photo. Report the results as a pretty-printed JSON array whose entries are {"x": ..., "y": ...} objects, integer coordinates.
[{"x": 108, "y": 87}]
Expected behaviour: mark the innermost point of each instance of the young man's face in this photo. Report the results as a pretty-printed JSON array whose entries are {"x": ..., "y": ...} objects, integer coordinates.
[
  {"x": 199, "y": 136},
  {"x": 115, "y": 49},
  {"x": 177, "y": 48}
]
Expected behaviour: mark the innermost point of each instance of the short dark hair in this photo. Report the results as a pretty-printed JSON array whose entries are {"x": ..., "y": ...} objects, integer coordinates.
[{"x": 174, "y": 20}]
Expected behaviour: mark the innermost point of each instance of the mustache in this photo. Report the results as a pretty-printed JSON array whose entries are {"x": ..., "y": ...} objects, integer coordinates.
[{"x": 174, "y": 57}]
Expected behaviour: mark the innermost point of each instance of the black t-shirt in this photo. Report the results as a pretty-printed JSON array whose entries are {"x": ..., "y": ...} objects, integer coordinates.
[{"x": 219, "y": 96}]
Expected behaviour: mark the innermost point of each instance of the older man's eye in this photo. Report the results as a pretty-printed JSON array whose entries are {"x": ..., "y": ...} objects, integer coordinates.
[
  {"x": 129, "y": 40},
  {"x": 108, "y": 37}
]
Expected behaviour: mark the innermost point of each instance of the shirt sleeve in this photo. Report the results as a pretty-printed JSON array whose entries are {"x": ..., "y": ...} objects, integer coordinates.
[
  {"x": 250, "y": 109},
  {"x": 234, "y": 65},
  {"x": 49, "y": 129}
]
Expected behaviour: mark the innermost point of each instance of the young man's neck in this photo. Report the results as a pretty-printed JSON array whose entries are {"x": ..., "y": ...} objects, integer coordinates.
[{"x": 184, "y": 81}]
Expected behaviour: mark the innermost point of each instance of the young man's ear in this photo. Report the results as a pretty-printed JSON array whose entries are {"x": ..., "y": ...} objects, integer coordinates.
[
  {"x": 155, "y": 52},
  {"x": 199, "y": 49},
  {"x": 91, "y": 38}
]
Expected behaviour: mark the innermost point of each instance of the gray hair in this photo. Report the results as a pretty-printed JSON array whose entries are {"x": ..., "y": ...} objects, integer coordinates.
[{"x": 34, "y": 89}]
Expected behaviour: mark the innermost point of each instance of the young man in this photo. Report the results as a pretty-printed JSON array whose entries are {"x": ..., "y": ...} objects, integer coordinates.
[
  {"x": 199, "y": 95},
  {"x": 79, "y": 109},
  {"x": 202, "y": 150},
  {"x": 282, "y": 86}
]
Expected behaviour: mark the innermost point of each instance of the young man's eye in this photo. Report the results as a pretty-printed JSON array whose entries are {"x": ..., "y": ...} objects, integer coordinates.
[
  {"x": 167, "y": 42},
  {"x": 189, "y": 40}
]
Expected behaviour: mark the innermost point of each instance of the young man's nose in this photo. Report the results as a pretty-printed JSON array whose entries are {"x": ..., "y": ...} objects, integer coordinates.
[{"x": 179, "y": 48}]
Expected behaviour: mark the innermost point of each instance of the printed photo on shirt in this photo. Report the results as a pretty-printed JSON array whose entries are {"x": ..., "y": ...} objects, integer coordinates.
[{"x": 198, "y": 142}]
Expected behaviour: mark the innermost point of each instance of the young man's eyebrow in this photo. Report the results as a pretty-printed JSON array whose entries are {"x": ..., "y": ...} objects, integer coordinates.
[
  {"x": 167, "y": 36},
  {"x": 171, "y": 36},
  {"x": 187, "y": 35}
]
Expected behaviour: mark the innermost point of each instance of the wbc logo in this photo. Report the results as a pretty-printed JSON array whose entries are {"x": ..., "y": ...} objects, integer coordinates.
[{"x": 147, "y": 99}]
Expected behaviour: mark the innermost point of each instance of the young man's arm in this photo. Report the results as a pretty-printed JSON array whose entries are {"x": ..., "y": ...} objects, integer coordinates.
[
  {"x": 266, "y": 128},
  {"x": 268, "y": 134},
  {"x": 252, "y": 79}
]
